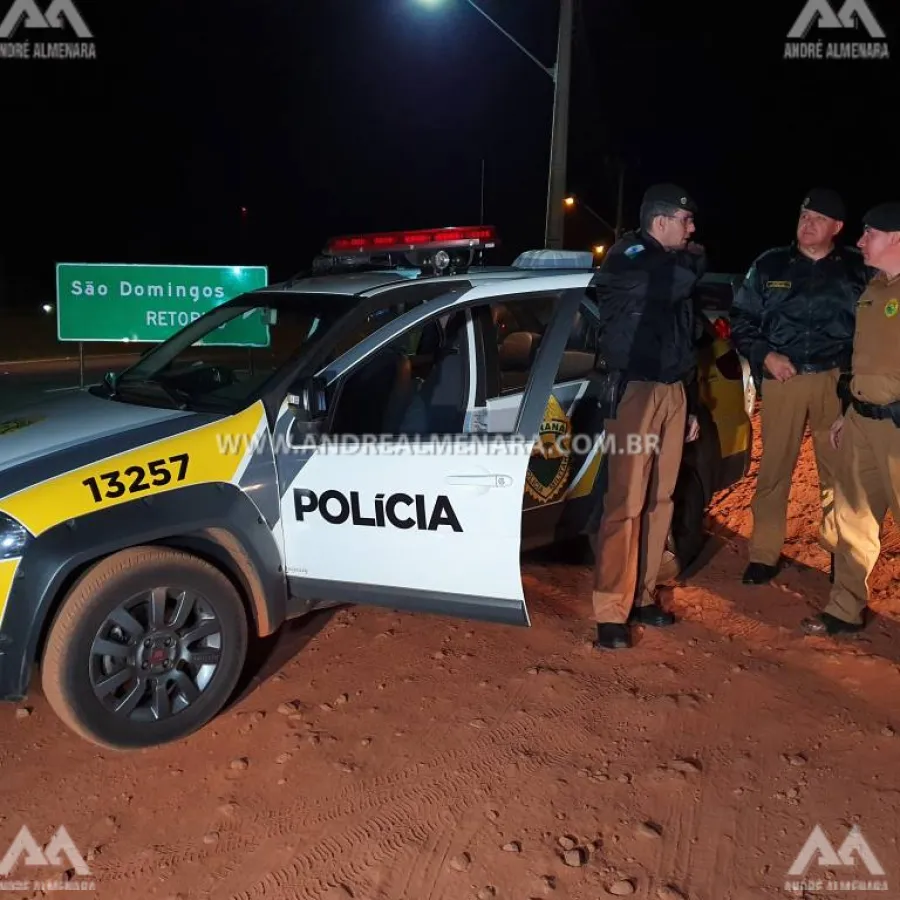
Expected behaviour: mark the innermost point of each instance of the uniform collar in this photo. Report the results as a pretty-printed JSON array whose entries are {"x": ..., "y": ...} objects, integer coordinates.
[
  {"x": 882, "y": 277},
  {"x": 836, "y": 253},
  {"x": 651, "y": 242}
]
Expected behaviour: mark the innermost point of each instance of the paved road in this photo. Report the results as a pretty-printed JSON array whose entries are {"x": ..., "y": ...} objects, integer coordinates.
[{"x": 23, "y": 383}]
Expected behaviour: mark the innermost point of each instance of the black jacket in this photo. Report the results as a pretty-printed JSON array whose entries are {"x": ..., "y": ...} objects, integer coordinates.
[
  {"x": 802, "y": 308},
  {"x": 647, "y": 315}
]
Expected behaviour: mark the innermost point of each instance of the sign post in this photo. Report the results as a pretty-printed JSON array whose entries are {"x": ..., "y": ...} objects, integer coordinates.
[{"x": 106, "y": 302}]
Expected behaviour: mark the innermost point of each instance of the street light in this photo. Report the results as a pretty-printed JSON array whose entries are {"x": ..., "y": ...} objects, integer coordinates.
[{"x": 561, "y": 73}]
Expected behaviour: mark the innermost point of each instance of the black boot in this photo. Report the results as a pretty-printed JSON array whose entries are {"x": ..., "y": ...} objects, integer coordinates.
[
  {"x": 653, "y": 615},
  {"x": 612, "y": 636},
  {"x": 759, "y": 573},
  {"x": 826, "y": 625}
]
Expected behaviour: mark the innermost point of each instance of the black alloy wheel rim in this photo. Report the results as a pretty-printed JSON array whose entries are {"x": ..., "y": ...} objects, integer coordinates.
[{"x": 155, "y": 654}]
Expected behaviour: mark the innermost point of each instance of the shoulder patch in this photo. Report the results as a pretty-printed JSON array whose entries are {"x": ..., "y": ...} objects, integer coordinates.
[{"x": 633, "y": 250}]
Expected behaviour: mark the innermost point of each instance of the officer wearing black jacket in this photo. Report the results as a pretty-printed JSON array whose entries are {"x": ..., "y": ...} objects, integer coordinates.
[
  {"x": 645, "y": 295},
  {"x": 793, "y": 320}
]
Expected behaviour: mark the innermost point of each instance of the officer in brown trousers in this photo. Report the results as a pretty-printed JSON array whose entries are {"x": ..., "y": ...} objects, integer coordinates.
[
  {"x": 867, "y": 436},
  {"x": 644, "y": 294},
  {"x": 793, "y": 320}
]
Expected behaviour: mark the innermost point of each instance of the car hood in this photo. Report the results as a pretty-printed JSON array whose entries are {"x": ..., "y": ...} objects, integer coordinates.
[{"x": 68, "y": 421}]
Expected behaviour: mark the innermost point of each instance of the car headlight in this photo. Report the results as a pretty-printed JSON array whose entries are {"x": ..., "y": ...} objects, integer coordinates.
[{"x": 14, "y": 537}]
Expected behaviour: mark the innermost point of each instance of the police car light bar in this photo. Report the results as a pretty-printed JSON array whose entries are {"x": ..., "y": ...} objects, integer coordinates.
[{"x": 476, "y": 236}]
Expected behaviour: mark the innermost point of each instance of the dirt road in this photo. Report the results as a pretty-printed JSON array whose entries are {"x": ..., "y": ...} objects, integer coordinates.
[{"x": 400, "y": 757}]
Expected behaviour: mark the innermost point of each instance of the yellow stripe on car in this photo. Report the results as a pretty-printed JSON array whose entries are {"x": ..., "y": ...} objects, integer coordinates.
[
  {"x": 7, "y": 573},
  {"x": 209, "y": 454}
]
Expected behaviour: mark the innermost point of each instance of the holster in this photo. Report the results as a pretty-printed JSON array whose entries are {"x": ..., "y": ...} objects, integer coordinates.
[
  {"x": 609, "y": 387},
  {"x": 843, "y": 392}
]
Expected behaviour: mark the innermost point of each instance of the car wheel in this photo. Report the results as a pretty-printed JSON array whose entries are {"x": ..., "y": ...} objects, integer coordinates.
[
  {"x": 687, "y": 535},
  {"x": 145, "y": 649}
]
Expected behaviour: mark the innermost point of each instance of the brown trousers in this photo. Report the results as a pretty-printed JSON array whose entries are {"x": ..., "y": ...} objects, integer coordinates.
[
  {"x": 868, "y": 485},
  {"x": 637, "y": 510},
  {"x": 786, "y": 406}
]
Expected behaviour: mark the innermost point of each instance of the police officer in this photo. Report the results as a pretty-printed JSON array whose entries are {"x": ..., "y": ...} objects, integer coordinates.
[
  {"x": 792, "y": 319},
  {"x": 867, "y": 436},
  {"x": 646, "y": 344}
]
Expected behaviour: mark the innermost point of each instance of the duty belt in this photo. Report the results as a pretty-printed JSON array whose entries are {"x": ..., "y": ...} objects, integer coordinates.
[
  {"x": 812, "y": 368},
  {"x": 874, "y": 411}
]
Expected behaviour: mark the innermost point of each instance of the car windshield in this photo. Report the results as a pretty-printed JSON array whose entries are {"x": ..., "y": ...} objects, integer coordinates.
[{"x": 223, "y": 360}]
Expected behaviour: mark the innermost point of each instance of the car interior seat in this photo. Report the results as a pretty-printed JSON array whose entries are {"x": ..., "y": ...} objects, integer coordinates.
[
  {"x": 375, "y": 395},
  {"x": 439, "y": 406},
  {"x": 578, "y": 359},
  {"x": 516, "y": 355}
]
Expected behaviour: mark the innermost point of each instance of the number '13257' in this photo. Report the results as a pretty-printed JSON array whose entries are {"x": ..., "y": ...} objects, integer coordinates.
[{"x": 137, "y": 479}]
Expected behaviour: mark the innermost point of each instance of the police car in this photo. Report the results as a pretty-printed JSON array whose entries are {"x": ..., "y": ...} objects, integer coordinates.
[{"x": 150, "y": 523}]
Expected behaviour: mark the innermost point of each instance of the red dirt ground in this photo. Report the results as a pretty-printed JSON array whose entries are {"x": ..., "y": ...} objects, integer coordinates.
[{"x": 404, "y": 757}]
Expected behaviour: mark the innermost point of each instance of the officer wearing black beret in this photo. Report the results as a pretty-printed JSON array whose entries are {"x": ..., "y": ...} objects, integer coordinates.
[
  {"x": 644, "y": 289},
  {"x": 867, "y": 436},
  {"x": 793, "y": 320}
]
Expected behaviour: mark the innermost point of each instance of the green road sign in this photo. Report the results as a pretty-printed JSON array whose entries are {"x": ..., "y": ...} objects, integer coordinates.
[{"x": 110, "y": 302}]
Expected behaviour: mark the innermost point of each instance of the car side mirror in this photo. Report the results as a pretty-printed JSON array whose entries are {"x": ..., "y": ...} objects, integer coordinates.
[{"x": 308, "y": 399}]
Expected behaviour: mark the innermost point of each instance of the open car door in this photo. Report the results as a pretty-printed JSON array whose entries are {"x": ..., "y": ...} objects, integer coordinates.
[{"x": 422, "y": 521}]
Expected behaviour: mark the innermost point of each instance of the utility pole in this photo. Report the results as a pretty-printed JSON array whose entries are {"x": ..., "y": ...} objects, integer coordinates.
[{"x": 562, "y": 76}]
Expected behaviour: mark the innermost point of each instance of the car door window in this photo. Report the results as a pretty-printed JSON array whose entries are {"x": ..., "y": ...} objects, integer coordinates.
[
  {"x": 511, "y": 330},
  {"x": 419, "y": 384},
  {"x": 518, "y": 328}
]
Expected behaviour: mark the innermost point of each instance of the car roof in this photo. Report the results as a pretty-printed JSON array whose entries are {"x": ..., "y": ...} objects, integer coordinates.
[
  {"x": 364, "y": 282},
  {"x": 380, "y": 288},
  {"x": 367, "y": 293},
  {"x": 367, "y": 283}
]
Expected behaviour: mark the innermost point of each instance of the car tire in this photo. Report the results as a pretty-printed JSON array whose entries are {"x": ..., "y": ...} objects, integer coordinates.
[
  {"x": 687, "y": 535},
  {"x": 166, "y": 631}
]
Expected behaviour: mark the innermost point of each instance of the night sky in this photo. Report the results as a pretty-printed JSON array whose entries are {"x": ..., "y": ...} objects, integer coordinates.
[{"x": 324, "y": 118}]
